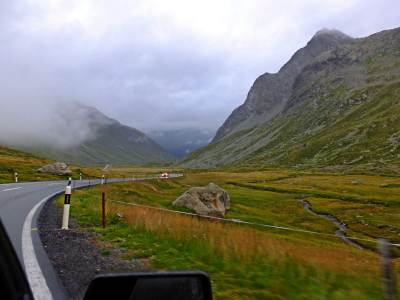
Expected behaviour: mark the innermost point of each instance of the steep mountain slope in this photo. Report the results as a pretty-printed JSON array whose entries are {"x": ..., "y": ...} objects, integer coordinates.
[
  {"x": 338, "y": 105},
  {"x": 108, "y": 142},
  {"x": 270, "y": 92},
  {"x": 180, "y": 142}
]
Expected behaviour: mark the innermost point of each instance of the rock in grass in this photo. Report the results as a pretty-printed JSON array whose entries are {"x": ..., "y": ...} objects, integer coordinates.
[
  {"x": 210, "y": 200},
  {"x": 57, "y": 168}
]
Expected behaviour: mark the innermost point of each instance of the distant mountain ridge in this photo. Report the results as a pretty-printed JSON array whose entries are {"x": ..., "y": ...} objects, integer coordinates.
[
  {"x": 109, "y": 142},
  {"x": 181, "y": 142},
  {"x": 335, "y": 102}
]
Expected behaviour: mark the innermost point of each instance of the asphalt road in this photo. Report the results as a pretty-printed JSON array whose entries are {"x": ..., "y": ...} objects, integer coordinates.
[{"x": 20, "y": 205}]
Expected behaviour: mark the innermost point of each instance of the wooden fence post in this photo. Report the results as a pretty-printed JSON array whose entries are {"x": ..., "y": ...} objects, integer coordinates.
[
  {"x": 103, "y": 202},
  {"x": 103, "y": 209}
]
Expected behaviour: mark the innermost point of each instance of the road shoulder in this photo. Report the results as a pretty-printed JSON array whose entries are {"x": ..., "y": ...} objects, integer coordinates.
[{"x": 74, "y": 254}]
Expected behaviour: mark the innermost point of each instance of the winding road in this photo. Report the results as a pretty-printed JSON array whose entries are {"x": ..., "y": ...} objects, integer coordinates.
[{"x": 20, "y": 204}]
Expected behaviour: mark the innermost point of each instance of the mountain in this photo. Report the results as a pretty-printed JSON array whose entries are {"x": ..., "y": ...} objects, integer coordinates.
[
  {"x": 106, "y": 141},
  {"x": 271, "y": 92},
  {"x": 335, "y": 102},
  {"x": 181, "y": 142}
]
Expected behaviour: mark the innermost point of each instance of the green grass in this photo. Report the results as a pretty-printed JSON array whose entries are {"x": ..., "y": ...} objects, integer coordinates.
[
  {"x": 247, "y": 262},
  {"x": 27, "y": 166}
]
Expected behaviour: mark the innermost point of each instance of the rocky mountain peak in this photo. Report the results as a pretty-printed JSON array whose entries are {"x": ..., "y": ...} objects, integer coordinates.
[
  {"x": 331, "y": 34},
  {"x": 334, "y": 103},
  {"x": 325, "y": 39},
  {"x": 270, "y": 92}
]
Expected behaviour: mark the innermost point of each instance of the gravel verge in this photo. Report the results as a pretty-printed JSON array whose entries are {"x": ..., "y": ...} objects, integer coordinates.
[{"x": 75, "y": 254}]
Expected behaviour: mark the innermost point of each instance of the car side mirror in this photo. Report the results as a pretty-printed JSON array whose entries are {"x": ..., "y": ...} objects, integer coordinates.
[
  {"x": 151, "y": 286},
  {"x": 13, "y": 282}
]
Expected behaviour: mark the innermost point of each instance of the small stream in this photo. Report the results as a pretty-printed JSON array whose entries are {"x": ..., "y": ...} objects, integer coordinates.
[{"x": 341, "y": 227}]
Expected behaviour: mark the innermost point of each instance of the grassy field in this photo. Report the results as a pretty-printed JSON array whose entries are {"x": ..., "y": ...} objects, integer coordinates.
[
  {"x": 27, "y": 166},
  {"x": 252, "y": 262}
]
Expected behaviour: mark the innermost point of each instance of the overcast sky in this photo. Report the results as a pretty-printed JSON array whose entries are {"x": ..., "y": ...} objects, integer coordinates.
[{"x": 156, "y": 63}]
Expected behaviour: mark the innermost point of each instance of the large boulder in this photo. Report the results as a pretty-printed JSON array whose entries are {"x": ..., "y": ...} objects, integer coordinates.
[
  {"x": 210, "y": 200},
  {"x": 57, "y": 168}
]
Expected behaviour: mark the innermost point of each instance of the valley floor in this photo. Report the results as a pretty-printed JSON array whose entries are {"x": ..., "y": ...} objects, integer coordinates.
[{"x": 305, "y": 260}]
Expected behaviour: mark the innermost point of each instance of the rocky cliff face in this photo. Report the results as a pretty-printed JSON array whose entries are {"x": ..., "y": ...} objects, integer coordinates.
[
  {"x": 270, "y": 92},
  {"x": 335, "y": 102}
]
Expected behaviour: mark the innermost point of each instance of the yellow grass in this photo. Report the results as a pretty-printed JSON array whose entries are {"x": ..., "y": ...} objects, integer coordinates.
[{"x": 243, "y": 242}]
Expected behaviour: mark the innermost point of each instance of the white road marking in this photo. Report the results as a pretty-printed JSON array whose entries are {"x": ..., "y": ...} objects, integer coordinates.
[
  {"x": 12, "y": 189},
  {"x": 33, "y": 271},
  {"x": 56, "y": 183}
]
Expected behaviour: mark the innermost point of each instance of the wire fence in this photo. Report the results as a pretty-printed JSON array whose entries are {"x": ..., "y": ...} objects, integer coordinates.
[
  {"x": 237, "y": 221},
  {"x": 246, "y": 241}
]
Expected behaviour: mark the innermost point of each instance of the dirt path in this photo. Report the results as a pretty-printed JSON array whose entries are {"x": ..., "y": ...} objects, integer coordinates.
[{"x": 341, "y": 227}]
